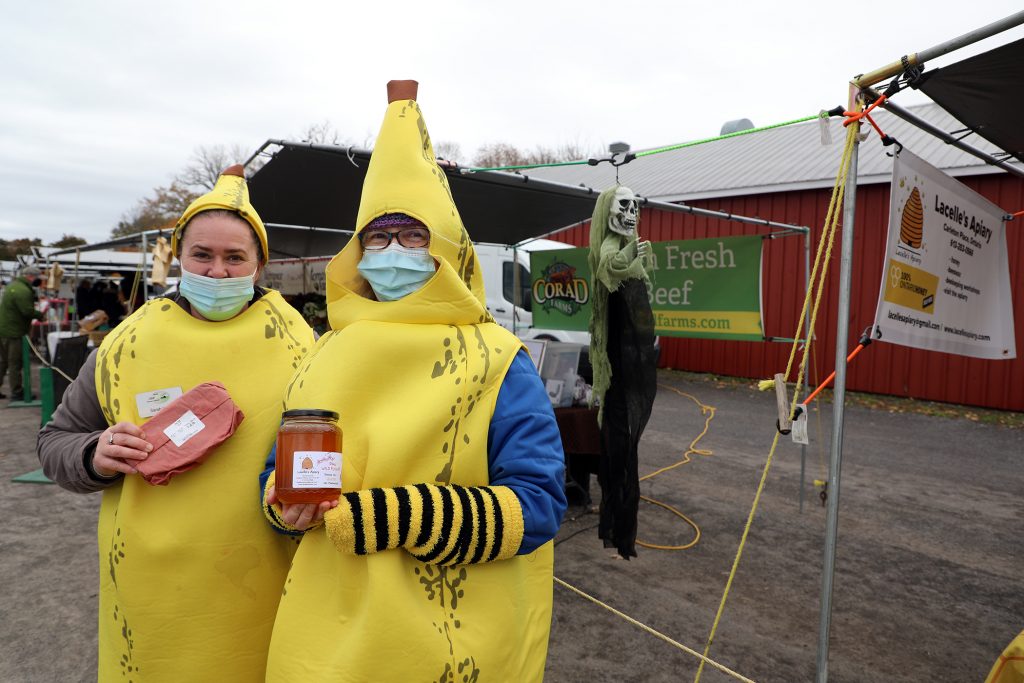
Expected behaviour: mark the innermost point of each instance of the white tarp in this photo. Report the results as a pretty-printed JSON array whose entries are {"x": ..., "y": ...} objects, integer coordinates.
[{"x": 946, "y": 280}]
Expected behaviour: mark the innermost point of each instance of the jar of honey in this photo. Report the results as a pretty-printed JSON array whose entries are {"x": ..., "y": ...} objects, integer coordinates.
[{"x": 308, "y": 467}]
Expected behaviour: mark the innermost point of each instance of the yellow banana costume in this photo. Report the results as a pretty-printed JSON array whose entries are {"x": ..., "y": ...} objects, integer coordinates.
[
  {"x": 190, "y": 572},
  {"x": 414, "y": 575},
  {"x": 230, "y": 193}
]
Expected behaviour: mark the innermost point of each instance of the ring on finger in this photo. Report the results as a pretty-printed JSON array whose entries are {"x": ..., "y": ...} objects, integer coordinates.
[{"x": 110, "y": 439}]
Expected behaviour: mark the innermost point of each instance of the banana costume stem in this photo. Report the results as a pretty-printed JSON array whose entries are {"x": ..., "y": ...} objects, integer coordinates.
[{"x": 442, "y": 525}]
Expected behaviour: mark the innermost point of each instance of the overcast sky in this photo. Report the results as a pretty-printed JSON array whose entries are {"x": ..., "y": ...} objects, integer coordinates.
[{"x": 103, "y": 101}]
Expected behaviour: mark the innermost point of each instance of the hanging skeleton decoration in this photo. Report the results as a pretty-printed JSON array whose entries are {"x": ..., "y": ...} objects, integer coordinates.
[
  {"x": 623, "y": 210},
  {"x": 623, "y": 356}
]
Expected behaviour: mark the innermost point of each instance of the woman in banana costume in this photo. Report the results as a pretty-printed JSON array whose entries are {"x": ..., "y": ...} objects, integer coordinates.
[
  {"x": 189, "y": 572},
  {"x": 436, "y": 562}
]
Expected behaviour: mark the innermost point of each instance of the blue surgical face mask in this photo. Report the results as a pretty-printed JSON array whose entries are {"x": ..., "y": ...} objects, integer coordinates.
[
  {"x": 214, "y": 298},
  {"x": 396, "y": 271}
]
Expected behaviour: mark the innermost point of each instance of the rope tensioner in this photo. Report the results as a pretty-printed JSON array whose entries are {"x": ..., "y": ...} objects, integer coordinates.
[
  {"x": 852, "y": 116},
  {"x": 864, "y": 341}
]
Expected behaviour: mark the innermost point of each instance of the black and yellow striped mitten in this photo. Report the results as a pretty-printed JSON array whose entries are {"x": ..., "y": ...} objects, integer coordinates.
[{"x": 443, "y": 525}]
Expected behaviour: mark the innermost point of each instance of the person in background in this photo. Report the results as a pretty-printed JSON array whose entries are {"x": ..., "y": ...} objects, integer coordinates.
[
  {"x": 17, "y": 311},
  {"x": 436, "y": 561},
  {"x": 110, "y": 302},
  {"x": 189, "y": 571},
  {"x": 83, "y": 298},
  {"x": 130, "y": 304}
]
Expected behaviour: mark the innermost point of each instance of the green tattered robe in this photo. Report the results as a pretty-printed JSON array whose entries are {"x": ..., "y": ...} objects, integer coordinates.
[
  {"x": 415, "y": 382},
  {"x": 189, "y": 572}
]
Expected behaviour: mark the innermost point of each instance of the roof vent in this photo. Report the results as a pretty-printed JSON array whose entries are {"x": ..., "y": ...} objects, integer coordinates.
[{"x": 736, "y": 125}]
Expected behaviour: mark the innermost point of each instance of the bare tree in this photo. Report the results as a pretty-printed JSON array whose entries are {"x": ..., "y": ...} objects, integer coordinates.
[
  {"x": 206, "y": 164},
  {"x": 448, "y": 150},
  {"x": 68, "y": 240},
  {"x": 160, "y": 210},
  {"x": 497, "y": 154},
  {"x": 323, "y": 133},
  {"x": 9, "y": 249}
]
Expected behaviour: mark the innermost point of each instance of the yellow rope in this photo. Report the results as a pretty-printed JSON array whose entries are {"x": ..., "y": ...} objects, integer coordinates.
[
  {"x": 827, "y": 240},
  {"x": 817, "y": 412},
  {"x": 656, "y": 634},
  {"x": 135, "y": 284},
  {"x": 709, "y": 413}
]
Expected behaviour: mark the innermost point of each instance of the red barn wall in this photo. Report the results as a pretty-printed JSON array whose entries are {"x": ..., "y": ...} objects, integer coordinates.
[{"x": 881, "y": 368}]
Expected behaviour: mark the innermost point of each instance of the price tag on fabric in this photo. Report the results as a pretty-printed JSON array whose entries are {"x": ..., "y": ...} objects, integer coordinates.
[
  {"x": 184, "y": 428},
  {"x": 799, "y": 432},
  {"x": 150, "y": 403}
]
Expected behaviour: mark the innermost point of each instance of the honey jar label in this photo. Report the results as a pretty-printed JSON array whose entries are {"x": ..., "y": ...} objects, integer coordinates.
[{"x": 316, "y": 470}]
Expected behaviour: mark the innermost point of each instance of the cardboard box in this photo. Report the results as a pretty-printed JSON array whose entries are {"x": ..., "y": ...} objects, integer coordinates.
[
  {"x": 95, "y": 338},
  {"x": 92, "y": 321}
]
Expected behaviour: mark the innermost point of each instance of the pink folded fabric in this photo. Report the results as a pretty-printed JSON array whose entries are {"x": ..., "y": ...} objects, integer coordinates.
[{"x": 185, "y": 432}]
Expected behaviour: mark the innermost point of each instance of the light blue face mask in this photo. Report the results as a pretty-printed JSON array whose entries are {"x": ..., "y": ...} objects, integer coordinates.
[
  {"x": 214, "y": 298},
  {"x": 396, "y": 271}
]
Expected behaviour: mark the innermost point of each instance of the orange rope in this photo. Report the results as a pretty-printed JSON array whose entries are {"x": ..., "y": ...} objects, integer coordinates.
[
  {"x": 852, "y": 116},
  {"x": 828, "y": 380}
]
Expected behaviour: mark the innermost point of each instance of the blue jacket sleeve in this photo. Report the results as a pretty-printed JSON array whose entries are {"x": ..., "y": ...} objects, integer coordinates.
[
  {"x": 276, "y": 523},
  {"x": 524, "y": 451},
  {"x": 268, "y": 468}
]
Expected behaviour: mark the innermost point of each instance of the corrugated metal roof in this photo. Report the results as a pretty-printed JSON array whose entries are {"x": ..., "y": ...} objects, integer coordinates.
[{"x": 789, "y": 158}]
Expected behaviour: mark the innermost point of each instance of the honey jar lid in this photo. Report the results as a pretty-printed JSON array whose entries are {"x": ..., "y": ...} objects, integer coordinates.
[{"x": 309, "y": 412}]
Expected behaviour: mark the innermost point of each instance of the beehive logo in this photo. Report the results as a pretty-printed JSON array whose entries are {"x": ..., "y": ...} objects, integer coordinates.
[
  {"x": 912, "y": 223},
  {"x": 307, "y": 463}
]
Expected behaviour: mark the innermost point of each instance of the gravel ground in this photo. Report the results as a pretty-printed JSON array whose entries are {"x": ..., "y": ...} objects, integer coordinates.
[{"x": 928, "y": 587}]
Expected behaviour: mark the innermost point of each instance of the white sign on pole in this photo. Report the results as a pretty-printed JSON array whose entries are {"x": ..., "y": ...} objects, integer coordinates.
[
  {"x": 284, "y": 276},
  {"x": 946, "y": 280}
]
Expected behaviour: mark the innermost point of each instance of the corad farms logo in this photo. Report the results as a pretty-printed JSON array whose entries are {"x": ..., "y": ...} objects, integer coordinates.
[{"x": 560, "y": 289}]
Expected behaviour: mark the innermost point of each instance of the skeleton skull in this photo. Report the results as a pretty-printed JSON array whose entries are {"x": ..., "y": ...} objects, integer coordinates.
[{"x": 623, "y": 216}]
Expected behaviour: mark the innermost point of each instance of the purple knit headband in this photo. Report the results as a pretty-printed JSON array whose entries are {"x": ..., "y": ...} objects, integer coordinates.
[{"x": 393, "y": 220}]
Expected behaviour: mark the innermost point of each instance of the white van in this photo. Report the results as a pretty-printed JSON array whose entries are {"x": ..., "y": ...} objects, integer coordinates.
[{"x": 496, "y": 261}]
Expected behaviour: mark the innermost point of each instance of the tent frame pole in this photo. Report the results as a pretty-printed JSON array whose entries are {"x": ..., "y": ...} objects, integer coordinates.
[
  {"x": 878, "y": 75},
  {"x": 839, "y": 398},
  {"x": 809, "y": 337},
  {"x": 145, "y": 287}
]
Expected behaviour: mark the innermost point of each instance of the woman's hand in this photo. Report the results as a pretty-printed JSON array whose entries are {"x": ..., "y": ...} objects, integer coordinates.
[
  {"x": 120, "y": 449},
  {"x": 301, "y": 516}
]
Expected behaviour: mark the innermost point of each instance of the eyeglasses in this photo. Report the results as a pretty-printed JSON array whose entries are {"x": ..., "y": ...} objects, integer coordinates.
[{"x": 412, "y": 238}]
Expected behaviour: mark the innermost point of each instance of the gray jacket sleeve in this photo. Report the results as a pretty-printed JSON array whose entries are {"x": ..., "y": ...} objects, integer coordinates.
[{"x": 66, "y": 444}]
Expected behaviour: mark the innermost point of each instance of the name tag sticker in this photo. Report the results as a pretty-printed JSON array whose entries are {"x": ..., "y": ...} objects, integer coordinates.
[
  {"x": 184, "y": 428},
  {"x": 150, "y": 403}
]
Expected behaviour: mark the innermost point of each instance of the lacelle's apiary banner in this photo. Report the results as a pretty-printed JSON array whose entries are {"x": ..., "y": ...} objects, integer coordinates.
[
  {"x": 946, "y": 280},
  {"x": 708, "y": 288}
]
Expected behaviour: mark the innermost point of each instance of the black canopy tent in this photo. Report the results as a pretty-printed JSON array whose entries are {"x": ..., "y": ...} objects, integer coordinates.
[
  {"x": 319, "y": 186},
  {"x": 984, "y": 93}
]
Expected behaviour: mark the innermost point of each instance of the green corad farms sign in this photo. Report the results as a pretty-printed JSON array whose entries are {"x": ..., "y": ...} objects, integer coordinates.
[
  {"x": 707, "y": 288},
  {"x": 560, "y": 289}
]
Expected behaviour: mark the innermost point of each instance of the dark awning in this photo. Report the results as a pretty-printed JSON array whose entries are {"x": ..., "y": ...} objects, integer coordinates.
[
  {"x": 320, "y": 185},
  {"x": 985, "y": 92}
]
